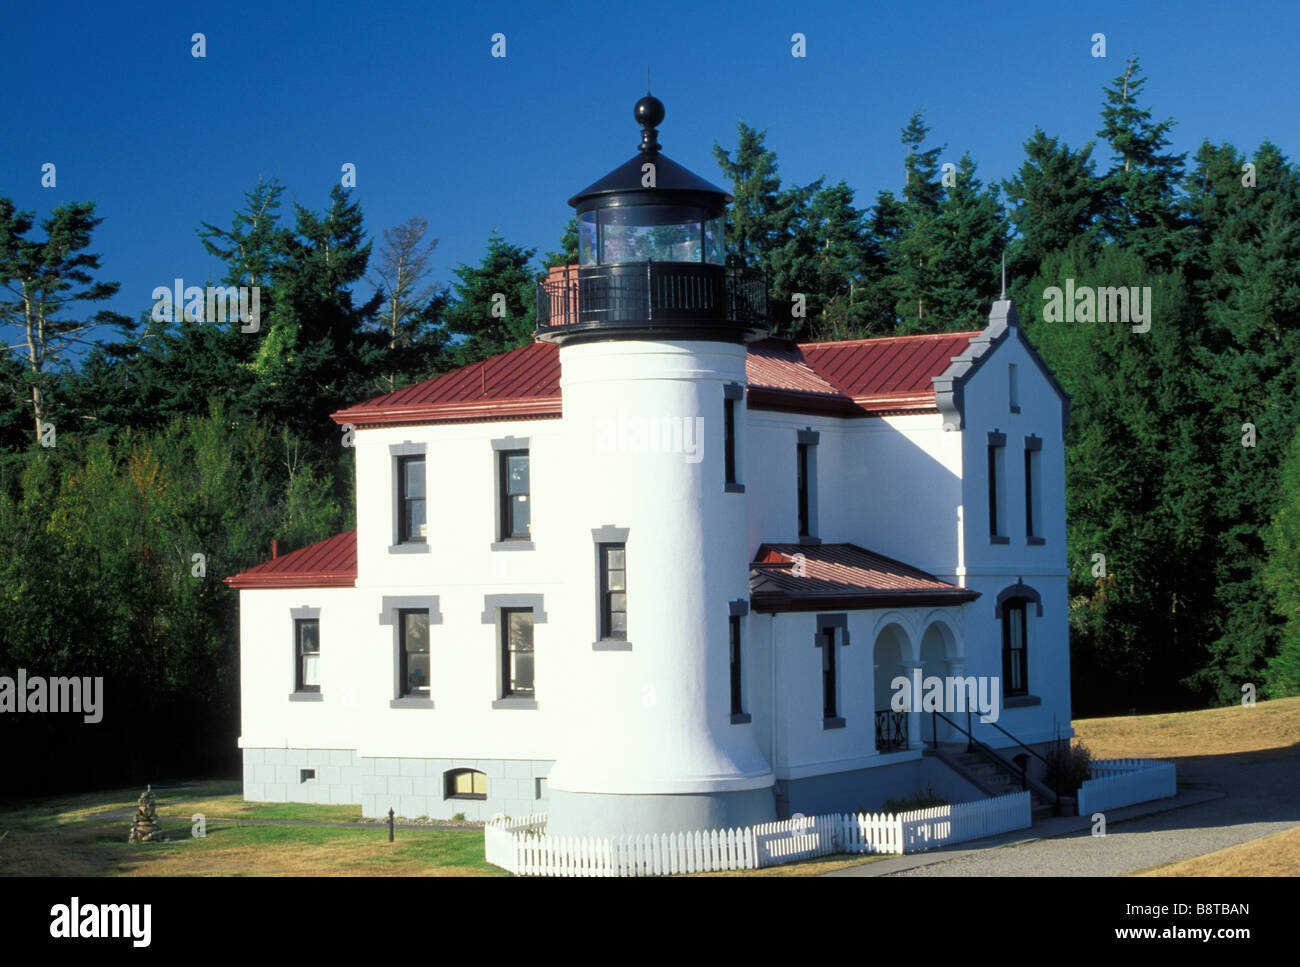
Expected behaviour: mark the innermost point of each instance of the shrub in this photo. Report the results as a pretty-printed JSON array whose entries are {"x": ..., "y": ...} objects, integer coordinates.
[
  {"x": 920, "y": 800},
  {"x": 1072, "y": 761},
  {"x": 458, "y": 818}
]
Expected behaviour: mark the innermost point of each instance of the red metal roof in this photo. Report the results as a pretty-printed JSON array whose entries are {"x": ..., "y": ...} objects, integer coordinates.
[
  {"x": 331, "y": 563},
  {"x": 811, "y": 577},
  {"x": 856, "y": 377},
  {"x": 887, "y": 374}
]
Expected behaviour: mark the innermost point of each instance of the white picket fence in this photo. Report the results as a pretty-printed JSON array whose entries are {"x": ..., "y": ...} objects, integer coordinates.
[
  {"x": 1123, "y": 782},
  {"x": 523, "y": 847}
]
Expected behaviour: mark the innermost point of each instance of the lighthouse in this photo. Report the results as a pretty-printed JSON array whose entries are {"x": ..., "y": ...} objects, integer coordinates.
[{"x": 652, "y": 327}]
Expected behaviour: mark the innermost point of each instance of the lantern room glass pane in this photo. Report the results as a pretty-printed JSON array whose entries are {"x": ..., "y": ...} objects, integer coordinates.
[
  {"x": 587, "y": 238},
  {"x": 640, "y": 233},
  {"x": 715, "y": 246}
]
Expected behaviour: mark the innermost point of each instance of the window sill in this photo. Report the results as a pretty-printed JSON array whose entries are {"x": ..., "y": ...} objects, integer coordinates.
[
  {"x": 1020, "y": 701},
  {"x": 465, "y": 795},
  {"x": 306, "y": 697},
  {"x": 835, "y": 723},
  {"x": 1037, "y": 541},
  {"x": 733, "y": 488},
  {"x": 515, "y": 544},
  {"x": 741, "y": 718},
  {"x": 422, "y": 547},
  {"x": 522, "y": 703},
  {"x": 411, "y": 702},
  {"x": 811, "y": 541},
  {"x": 611, "y": 644},
  {"x": 999, "y": 540}
]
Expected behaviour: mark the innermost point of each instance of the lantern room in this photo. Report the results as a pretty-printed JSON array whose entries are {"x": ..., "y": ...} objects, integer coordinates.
[{"x": 652, "y": 257}]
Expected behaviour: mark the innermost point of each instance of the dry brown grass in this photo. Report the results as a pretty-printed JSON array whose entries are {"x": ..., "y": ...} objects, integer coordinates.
[
  {"x": 1217, "y": 731},
  {"x": 1276, "y": 855},
  {"x": 814, "y": 867}
]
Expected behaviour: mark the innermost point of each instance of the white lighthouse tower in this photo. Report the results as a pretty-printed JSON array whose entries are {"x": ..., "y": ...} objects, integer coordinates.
[{"x": 652, "y": 328}]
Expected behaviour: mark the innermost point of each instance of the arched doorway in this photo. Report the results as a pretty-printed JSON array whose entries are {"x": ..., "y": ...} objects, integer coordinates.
[
  {"x": 938, "y": 649},
  {"x": 891, "y": 727}
]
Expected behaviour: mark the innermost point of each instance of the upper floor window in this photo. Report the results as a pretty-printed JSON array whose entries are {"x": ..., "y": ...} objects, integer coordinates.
[
  {"x": 517, "y": 653},
  {"x": 806, "y": 482},
  {"x": 996, "y": 475},
  {"x": 413, "y": 651},
  {"x": 1015, "y": 655},
  {"x": 1013, "y": 387},
  {"x": 306, "y": 655},
  {"x": 729, "y": 439},
  {"x": 1033, "y": 489},
  {"x": 410, "y": 499},
  {"x": 613, "y": 591},
  {"x": 515, "y": 522}
]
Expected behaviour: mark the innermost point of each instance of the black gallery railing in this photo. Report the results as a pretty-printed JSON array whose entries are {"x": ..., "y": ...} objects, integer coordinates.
[{"x": 650, "y": 292}]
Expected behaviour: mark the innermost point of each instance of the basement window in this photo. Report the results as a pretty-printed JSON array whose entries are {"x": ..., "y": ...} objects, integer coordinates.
[{"x": 306, "y": 775}]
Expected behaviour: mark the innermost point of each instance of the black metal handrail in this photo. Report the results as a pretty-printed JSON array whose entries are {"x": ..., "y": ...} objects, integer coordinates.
[
  {"x": 891, "y": 730},
  {"x": 652, "y": 292},
  {"x": 974, "y": 744}
]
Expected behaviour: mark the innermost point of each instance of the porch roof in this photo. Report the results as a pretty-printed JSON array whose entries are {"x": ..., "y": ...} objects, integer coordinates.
[
  {"x": 818, "y": 577},
  {"x": 331, "y": 563}
]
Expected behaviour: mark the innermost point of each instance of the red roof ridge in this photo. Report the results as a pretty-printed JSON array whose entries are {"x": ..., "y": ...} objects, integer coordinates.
[{"x": 883, "y": 339}]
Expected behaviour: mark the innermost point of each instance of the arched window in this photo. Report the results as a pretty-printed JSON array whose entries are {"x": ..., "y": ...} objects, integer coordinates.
[
  {"x": 1013, "y": 609},
  {"x": 465, "y": 784}
]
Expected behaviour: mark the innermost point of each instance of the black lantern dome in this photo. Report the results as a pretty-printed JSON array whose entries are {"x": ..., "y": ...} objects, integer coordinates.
[{"x": 651, "y": 257}]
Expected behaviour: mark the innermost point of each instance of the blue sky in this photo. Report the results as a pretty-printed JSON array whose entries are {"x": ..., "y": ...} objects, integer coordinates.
[{"x": 437, "y": 127}]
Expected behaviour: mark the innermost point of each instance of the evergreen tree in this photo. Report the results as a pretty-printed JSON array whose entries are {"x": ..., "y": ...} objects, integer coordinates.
[
  {"x": 1140, "y": 190},
  {"x": 568, "y": 253},
  {"x": 495, "y": 302},
  {"x": 1282, "y": 577},
  {"x": 410, "y": 319},
  {"x": 1056, "y": 198}
]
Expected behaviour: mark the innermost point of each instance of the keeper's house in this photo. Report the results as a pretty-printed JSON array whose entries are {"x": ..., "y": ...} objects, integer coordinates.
[{"x": 656, "y": 571}]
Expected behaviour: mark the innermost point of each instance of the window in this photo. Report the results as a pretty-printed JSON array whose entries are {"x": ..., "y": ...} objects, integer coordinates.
[
  {"x": 306, "y": 775},
  {"x": 829, "y": 706},
  {"x": 997, "y": 450},
  {"x": 1015, "y": 669},
  {"x": 729, "y": 439},
  {"x": 613, "y": 591},
  {"x": 737, "y": 703},
  {"x": 802, "y": 486},
  {"x": 1033, "y": 489},
  {"x": 413, "y": 651},
  {"x": 306, "y": 654},
  {"x": 1013, "y": 388},
  {"x": 517, "y": 653},
  {"x": 410, "y": 500},
  {"x": 513, "y": 485},
  {"x": 465, "y": 784}
]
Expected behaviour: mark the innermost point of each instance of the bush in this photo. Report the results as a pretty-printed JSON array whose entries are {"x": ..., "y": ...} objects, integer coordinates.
[
  {"x": 1072, "y": 761},
  {"x": 920, "y": 800}
]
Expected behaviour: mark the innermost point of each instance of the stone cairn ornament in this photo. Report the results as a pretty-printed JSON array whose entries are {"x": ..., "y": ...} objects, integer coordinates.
[{"x": 145, "y": 827}]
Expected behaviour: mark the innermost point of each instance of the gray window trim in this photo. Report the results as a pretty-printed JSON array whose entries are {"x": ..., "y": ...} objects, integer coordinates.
[
  {"x": 391, "y": 604},
  {"x": 306, "y": 697},
  {"x": 733, "y": 488},
  {"x": 1033, "y": 443},
  {"x": 493, "y": 603},
  {"x": 1021, "y": 701},
  {"x": 409, "y": 702},
  {"x": 609, "y": 534},
  {"x": 997, "y": 439},
  {"x": 611, "y": 644},
  {"x": 511, "y": 443},
  {"x": 733, "y": 391},
  {"x": 516, "y": 703},
  {"x": 808, "y": 436},
  {"x": 304, "y": 614},
  {"x": 738, "y": 608},
  {"x": 408, "y": 449},
  {"x": 514, "y": 545},
  {"x": 741, "y": 718},
  {"x": 999, "y": 539},
  {"x": 835, "y": 723}
]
